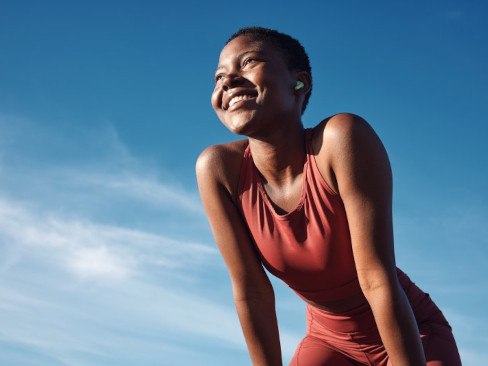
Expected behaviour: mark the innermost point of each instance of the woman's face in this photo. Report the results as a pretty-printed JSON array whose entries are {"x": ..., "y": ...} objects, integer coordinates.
[{"x": 253, "y": 86}]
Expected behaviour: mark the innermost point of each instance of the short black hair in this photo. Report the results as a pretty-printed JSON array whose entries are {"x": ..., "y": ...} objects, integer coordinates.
[{"x": 295, "y": 55}]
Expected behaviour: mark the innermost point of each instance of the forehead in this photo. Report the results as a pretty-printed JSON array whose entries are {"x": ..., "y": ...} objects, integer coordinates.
[{"x": 247, "y": 43}]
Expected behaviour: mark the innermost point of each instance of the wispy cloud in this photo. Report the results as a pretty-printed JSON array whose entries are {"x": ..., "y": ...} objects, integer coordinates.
[
  {"x": 84, "y": 283},
  {"x": 88, "y": 249},
  {"x": 92, "y": 276},
  {"x": 146, "y": 189}
]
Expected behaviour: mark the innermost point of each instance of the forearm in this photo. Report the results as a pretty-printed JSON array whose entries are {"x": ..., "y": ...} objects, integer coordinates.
[
  {"x": 397, "y": 326},
  {"x": 260, "y": 328}
]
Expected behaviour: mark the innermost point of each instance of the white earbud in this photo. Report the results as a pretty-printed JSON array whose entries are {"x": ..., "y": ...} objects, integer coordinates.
[{"x": 299, "y": 85}]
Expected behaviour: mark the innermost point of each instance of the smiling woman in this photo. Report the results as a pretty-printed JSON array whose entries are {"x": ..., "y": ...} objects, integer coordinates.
[
  {"x": 314, "y": 207},
  {"x": 252, "y": 75}
]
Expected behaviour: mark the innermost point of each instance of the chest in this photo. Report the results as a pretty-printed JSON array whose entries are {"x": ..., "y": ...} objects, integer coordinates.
[
  {"x": 309, "y": 247},
  {"x": 285, "y": 198}
]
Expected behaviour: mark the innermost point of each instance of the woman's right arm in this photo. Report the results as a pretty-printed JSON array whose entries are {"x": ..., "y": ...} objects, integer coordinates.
[{"x": 253, "y": 293}]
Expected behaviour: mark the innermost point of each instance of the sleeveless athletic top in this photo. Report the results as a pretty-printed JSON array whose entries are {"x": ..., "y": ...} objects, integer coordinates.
[{"x": 309, "y": 248}]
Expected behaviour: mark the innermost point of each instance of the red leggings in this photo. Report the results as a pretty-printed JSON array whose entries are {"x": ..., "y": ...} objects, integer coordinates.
[{"x": 351, "y": 338}]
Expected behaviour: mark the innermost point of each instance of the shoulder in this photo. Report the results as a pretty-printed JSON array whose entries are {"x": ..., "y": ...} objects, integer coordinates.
[
  {"x": 345, "y": 132},
  {"x": 346, "y": 143},
  {"x": 221, "y": 164},
  {"x": 219, "y": 159},
  {"x": 343, "y": 126}
]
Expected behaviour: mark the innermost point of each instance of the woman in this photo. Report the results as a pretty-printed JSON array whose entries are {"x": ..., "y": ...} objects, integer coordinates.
[{"x": 313, "y": 206}]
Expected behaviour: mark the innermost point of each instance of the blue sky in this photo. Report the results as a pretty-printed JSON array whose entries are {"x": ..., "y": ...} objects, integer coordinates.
[{"x": 105, "y": 253}]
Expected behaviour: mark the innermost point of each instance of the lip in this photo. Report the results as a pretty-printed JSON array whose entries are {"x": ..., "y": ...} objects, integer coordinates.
[{"x": 235, "y": 93}]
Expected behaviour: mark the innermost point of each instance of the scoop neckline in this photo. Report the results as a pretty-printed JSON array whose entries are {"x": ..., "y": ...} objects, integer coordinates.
[{"x": 270, "y": 204}]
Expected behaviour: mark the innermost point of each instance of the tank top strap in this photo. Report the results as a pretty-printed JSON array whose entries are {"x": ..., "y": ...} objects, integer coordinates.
[
  {"x": 245, "y": 173},
  {"x": 247, "y": 151},
  {"x": 308, "y": 142}
]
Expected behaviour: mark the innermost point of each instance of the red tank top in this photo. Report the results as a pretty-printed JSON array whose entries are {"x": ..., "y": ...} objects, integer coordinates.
[{"x": 308, "y": 248}]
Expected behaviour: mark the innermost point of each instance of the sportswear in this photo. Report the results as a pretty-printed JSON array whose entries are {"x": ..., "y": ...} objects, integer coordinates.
[{"x": 309, "y": 248}]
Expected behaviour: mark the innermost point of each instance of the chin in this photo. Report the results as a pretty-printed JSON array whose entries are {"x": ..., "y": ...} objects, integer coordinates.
[
  {"x": 241, "y": 124},
  {"x": 239, "y": 129}
]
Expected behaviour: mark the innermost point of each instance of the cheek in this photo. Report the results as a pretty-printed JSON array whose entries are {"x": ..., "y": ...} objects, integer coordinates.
[
  {"x": 216, "y": 102},
  {"x": 216, "y": 99}
]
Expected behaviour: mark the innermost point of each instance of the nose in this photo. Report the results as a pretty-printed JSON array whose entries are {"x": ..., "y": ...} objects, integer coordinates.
[{"x": 231, "y": 81}]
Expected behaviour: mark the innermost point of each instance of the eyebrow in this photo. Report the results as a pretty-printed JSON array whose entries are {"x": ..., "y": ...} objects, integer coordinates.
[{"x": 241, "y": 55}]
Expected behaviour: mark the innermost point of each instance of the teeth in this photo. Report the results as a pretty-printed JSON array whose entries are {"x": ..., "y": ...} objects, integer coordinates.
[{"x": 238, "y": 98}]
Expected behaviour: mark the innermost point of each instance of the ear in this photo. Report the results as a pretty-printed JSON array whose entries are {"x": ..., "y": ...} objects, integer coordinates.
[{"x": 304, "y": 82}]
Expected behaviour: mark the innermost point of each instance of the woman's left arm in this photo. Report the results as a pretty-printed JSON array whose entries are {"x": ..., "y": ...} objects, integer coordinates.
[{"x": 363, "y": 175}]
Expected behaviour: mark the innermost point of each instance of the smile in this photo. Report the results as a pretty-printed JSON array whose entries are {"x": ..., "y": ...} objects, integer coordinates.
[{"x": 238, "y": 98}]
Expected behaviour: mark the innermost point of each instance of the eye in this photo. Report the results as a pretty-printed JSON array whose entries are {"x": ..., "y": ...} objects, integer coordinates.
[
  {"x": 219, "y": 77},
  {"x": 248, "y": 61}
]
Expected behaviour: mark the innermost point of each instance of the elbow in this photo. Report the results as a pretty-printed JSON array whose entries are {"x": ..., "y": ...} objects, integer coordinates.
[
  {"x": 371, "y": 285},
  {"x": 261, "y": 304},
  {"x": 378, "y": 284}
]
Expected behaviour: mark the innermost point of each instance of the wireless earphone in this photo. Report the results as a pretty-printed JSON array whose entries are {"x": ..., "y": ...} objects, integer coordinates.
[{"x": 299, "y": 85}]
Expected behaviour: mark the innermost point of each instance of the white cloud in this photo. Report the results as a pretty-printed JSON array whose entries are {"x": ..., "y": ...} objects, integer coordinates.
[
  {"x": 77, "y": 285},
  {"x": 91, "y": 250},
  {"x": 151, "y": 191},
  {"x": 79, "y": 289},
  {"x": 98, "y": 262}
]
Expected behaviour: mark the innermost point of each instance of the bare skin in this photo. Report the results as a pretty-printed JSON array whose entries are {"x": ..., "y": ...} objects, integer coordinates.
[{"x": 352, "y": 161}]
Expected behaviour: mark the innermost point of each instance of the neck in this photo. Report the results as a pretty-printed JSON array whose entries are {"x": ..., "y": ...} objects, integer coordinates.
[{"x": 280, "y": 155}]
